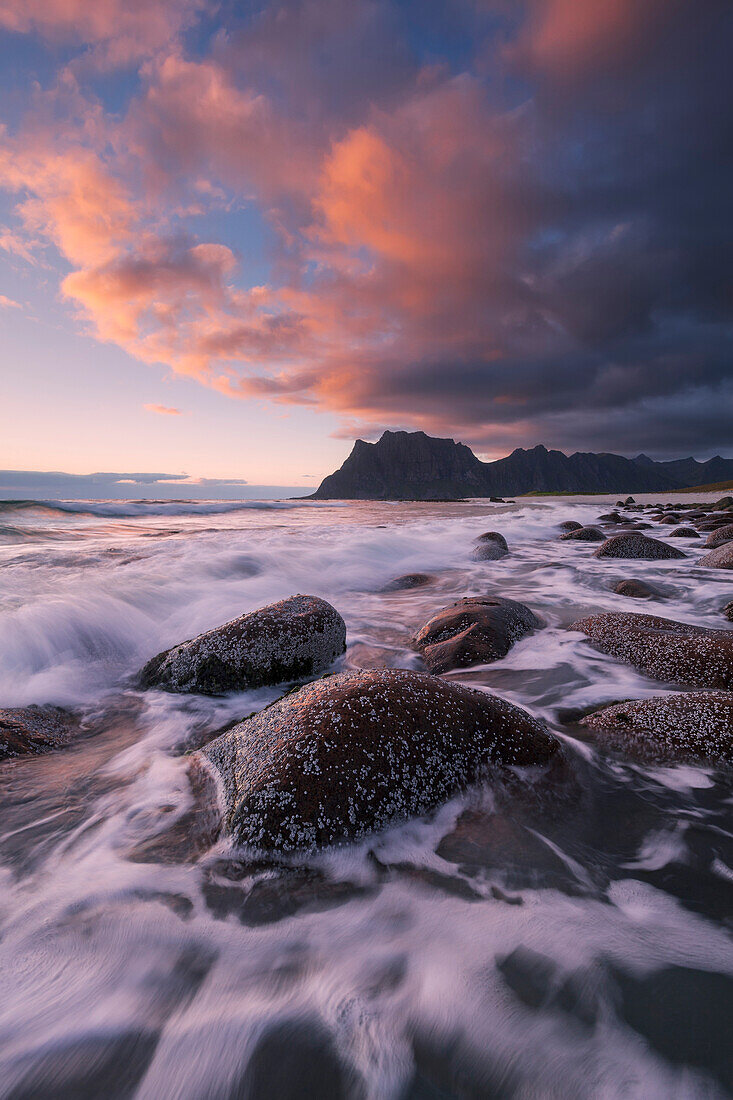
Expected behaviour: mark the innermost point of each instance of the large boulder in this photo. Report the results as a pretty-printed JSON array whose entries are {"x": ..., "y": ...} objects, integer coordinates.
[
  {"x": 30, "y": 730},
  {"x": 584, "y": 534},
  {"x": 690, "y": 724},
  {"x": 475, "y": 630},
  {"x": 350, "y": 753},
  {"x": 720, "y": 536},
  {"x": 720, "y": 558},
  {"x": 297, "y": 637},
  {"x": 663, "y": 648},
  {"x": 633, "y": 545}
]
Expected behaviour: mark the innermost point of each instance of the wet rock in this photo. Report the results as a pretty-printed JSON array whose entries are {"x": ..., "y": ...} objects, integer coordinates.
[
  {"x": 475, "y": 630},
  {"x": 570, "y": 525},
  {"x": 408, "y": 581},
  {"x": 30, "y": 730},
  {"x": 584, "y": 534},
  {"x": 192, "y": 833},
  {"x": 720, "y": 536},
  {"x": 683, "y": 725},
  {"x": 723, "y": 503},
  {"x": 684, "y": 533},
  {"x": 612, "y": 517},
  {"x": 296, "y": 1058},
  {"x": 354, "y": 751},
  {"x": 720, "y": 558},
  {"x": 663, "y": 648},
  {"x": 491, "y": 546},
  {"x": 267, "y": 899},
  {"x": 300, "y": 636},
  {"x": 670, "y": 519},
  {"x": 629, "y": 500},
  {"x": 728, "y": 612},
  {"x": 638, "y": 590},
  {"x": 684, "y": 1015},
  {"x": 634, "y": 545}
]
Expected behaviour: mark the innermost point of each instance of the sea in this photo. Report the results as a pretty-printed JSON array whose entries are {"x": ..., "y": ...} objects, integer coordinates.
[{"x": 527, "y": 939}]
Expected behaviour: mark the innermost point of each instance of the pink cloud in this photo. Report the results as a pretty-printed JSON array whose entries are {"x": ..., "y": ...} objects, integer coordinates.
[
  {"x": 163, "y": 410},
  {"x": 9, "y": 303},
  {"x": 121, "y": 30}
]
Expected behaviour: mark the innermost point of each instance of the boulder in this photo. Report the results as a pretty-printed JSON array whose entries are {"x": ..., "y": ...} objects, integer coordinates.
[
  {"x": 493, "y": 536},
  {"x": 352, "y": 752},
  {"x": 570, "y": 525},
  {"x": 634, "y": 545},
  {"x": 690, "y": 724},
  {"x": 584, "y": 534},
  {"x": 297, "y": 637},
  {"x": 475, "y": 630},
  {"x": 720, "y": 558},
  {"x": 663, "y": 648},
  {"x": 612, "y": 517},
  {"x": 670, "y": 519},
  {"x": 723, "y": 503},
  {"x": 684, "y": 533},
  {"x": 31, "y": 730},
  {"x": 728, "y": 612},
  {"x": 637, "y": 590},
  {"x": 629, "y": 500},
  {"x": 408, "y": 581},
  {"x": 490, "y": 547},
  {"x": 720, "y": 536}
]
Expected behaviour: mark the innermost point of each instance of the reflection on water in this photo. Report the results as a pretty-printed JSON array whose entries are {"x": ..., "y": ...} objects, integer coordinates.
[{"x": 529, "y": 939}]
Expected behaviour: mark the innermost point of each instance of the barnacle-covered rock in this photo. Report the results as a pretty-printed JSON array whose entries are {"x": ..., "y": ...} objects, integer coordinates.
[
  {"x": 720, "y": 558},
  {"x": 570, "y": 525},
  {"x": 663, "y": 648},
  {"x": 682, "y": 725},
  {"x": 297, "y": 637},
  {"x": 475, "y": 630},
  {"x": 350, "y": 753},
  {"x": 720, "y": 536},
  {"x": 583, "y": 534},
  {"x": 31, "y": 730},
  {"x": 633, "y": 545}
]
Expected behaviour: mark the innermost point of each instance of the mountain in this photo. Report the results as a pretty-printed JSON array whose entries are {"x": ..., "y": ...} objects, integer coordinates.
[{"x": 415, "y": 466}]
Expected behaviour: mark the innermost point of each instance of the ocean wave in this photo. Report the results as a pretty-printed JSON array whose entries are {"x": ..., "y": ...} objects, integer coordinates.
[{"x": 121, "y": 509}]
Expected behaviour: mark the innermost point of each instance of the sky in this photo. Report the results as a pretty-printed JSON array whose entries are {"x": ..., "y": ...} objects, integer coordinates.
[{"x": 235, "y": 236}]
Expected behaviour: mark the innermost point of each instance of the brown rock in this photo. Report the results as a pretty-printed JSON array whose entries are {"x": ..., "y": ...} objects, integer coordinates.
[
  {"x": 720, "y": 558},
  {"x": 408, "y": 581},
  {"x": 31, "y": 730},
  {"x": 297, "y": 637},
  {"x": 476, "y": 630},
  {"x": 584, "y": 534},
  {"x": 720, "y": 536},
  {"x": 663, "y": 648},
  {"x": 684, "y": 533},
  {"x": 683, "y": 725},
  {"x": 355, "y": 751},
  {"x": 637, "y": 590},
  {"x": 570, "y": 525},
  {"x": 633, "y": 545},
  {"x": 728, "y": 612}
]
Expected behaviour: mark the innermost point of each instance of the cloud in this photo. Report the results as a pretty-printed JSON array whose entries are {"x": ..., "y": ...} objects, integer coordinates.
[
  {"x": 163, "y": 410},
  {"x": 9, "y": 303},
  {"x": 121, "y": 31},
  {"x": 528, "y": 239},
  {"x": 55, "y": 485}
]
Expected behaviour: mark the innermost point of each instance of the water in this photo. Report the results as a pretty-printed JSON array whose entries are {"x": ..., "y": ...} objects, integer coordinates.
[{"x": 521, "y": 942}]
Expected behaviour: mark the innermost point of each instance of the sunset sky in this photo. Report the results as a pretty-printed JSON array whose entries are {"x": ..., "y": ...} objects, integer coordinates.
[{"x": 234, "y": 236}]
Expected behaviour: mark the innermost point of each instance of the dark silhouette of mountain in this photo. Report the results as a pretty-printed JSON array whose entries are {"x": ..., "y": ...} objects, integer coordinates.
[{"x": 415, "y": 466}]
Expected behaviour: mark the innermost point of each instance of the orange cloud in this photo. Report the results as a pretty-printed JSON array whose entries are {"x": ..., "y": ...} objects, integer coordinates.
[
  {"x": 163, "y": 410},
  {"x": 9, "y": 303},
  {"x": 122, "y": 30}
]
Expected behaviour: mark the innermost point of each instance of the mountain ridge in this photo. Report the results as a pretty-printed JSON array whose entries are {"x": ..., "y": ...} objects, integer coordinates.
[{"x": 416, "y": 466}]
